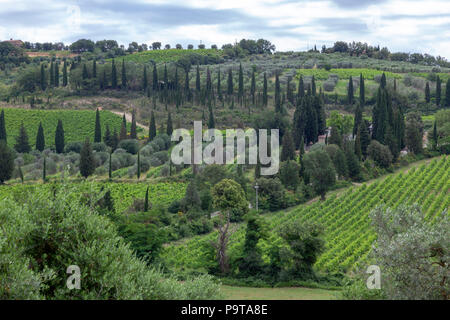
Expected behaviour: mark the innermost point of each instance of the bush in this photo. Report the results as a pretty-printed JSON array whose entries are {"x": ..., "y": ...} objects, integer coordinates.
[
  {"x": 380, "y": 154},
  {"x": 73, "y": 147},
  {"x": 129, "y": 145}
]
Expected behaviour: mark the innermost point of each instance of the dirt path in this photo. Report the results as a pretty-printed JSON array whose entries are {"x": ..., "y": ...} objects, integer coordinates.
[{"x": 128, "y": 117}]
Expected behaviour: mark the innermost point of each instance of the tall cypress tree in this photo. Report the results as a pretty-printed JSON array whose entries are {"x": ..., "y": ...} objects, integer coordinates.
[
  {"x": 124, "y": 75},
  {"x": 3, "y": 135},
  {"x": 52, "y": 74},
  {"x": 447, "y": 94},
  {"x": 241, "y": 84},
  {"x": 287, "y": 147},
  {"x": 155, "y": 78},
  {"x": 123, "y": 129},
  {"x": 265, "y": 90},
  {"x": 56, "y": 74},
  {"x": 277, "y": 101},
  {"x": 253, "y": 87},
  {"x": 438, "y": 91},
  {"x": 104, "y": 82},
  {"x": 197, "y": 79},
  {"x": 85, "y": 74},
  {"x": 87, "y": 160},
  {"x": 313, "y": 86},
  {"x": 43, "y": 78},
  {"x": 427, "y": 93},
  {"x": 107, "y": 137},
  {"x": 144, "y": 79},
  {"x": 133, "y": 129},
  {"x": 358, "y": 119},
  {"x": 110, "y": 166},
  {"x": 59, "y": 137},
  {"x": 211, "y": 122},
  {"x": 152, "y": 127},
  {"x": 169, "y": 129},
  {"x": 364, "y": 137},
  {"x": 230, "y": 82},
  {"x": 40, "y": 139},
  {"x": 64, "y": 74},
  {"x": 301, "y": 88},
  {"x": 94, "y": 68},
  {"x": 362, "y": 94},
  {"x": 6, "y": 162},
  {"x": 146, "y": 202},
  {"x": 44, "y": 170},
  {"x": 435, "y": 136},
  {"x": 98, "y": 127},
  {"x": 138, "y": 169},
  {"x": 219, "y": 86},
  {"x": 383, "y": 81},
  {"x": 350, "y": 95},
  {"x": 113, "y": 75},
  {"x": 22, "y": 145}
]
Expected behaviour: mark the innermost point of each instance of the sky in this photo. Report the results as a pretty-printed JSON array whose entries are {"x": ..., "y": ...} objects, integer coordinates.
[{"x": 298, "y": 25}]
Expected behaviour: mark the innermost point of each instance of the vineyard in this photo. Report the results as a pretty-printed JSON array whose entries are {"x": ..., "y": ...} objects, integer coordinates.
[
  {"x": 78, "y": 124},
  {"x": 123, "y": 194},
  {"x": 169, "y": 55},
  {"x": 369, "y": 74},
  {"x": 348, "y": 234}
]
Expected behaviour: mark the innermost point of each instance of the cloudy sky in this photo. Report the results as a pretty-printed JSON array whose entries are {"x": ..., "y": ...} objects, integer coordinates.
[{"x": 403, "y": 25}]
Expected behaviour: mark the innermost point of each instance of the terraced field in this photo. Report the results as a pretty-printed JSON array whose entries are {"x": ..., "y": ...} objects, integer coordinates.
[{"x": 348, "y": 233}]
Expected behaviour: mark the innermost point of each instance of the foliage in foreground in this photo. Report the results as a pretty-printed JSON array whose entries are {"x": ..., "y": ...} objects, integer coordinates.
[{"x": 51, "y": 230}]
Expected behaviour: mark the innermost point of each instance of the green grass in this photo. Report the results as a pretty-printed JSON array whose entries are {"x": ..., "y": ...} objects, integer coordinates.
[
  {"x": 78, "y": 124},
  {"x": 369, "y": 74},
  {"x": 169, "y": 55},
  {"x": 248, "y": 293}
]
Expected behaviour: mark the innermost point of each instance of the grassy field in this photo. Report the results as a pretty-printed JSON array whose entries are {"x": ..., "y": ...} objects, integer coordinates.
[
  {"x": 168, "y": 55},
  {"x": 248, "y": 293}
]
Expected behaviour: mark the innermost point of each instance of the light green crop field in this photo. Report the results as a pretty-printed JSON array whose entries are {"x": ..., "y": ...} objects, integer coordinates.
[
  {"x": 168, "y": 55},
  {"x": 296, "y": 293}
]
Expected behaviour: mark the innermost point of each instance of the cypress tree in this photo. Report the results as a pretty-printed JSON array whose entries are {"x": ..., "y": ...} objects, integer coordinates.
[
  {"x": 104, "y": 81},
  {"x": 219, "y": 86},
  {"x": 383, "y": 81},
  {"x": 139, "y": 165},
  {"x": 427, "y": 93},
  {"x": 6, "y": 162},
  {"x": 362, "y": 94},
  {"x": 241, "y": 83},
  {"x": 94, "y": 68},
  {"x": 169, "y": 129},
  {"x": 144, "y": 79},
  {"x": 447, "y": 94},
  {"x": 114, "y": 140},
  {"x": 113, "y": 75},
  {"x": 56, "y": 74},
  {"x": 123, "y": 129},
  {"x": 87, "y": 160},
  {"x": 21, "y": 174},
  {"x": 52, "y": 74},
  {"x": 85, "y": 74},
  {"x": 44, "y": 170},
  {"x": 438, "y": 91},
  {"x": 59, "y": 137},
  {"x": 152, "y": 127},
  {"x": 64, "y": 73},
  {"x": 197, "y": 79},
  {"x": 277, "y": 94},
  {"x": 146, "y": 204},
  {"x": 230, "y": 82},
  {"x": 358, "y": 150},
  {"x": 3, "y": 135},
  {"x": 107, "y": 137},
  {"x": 124, "y": 75},
  {"x": 265, "y": 90},
  {"x": 133, "y": 129},
  {"x": 208, "y": 83},
  {"x": 211, "y": 122},
  {"x": 176, "y": 79},
  {"x": 98, "y": 128},
  {"x": 313, "y": 86},
  {"x": 253, "y": 87},
  {"x": 364, "y": 137},
  {"x": 335, "y": 137},
  {"x": 40, "y": 139},
  {"x": 350, "y": 91},
  {"x": 288, "y": 148},
  {"x": 435, "y": 136},
  {"x": 358, "y": 119},
  {"x": 110, "y": 166},
  {"x": 155, "y": 78},
  {"x": 43, "y": 79},
  {"x": 301, "y": 88},
  {"x": 22, "y": 145}
]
